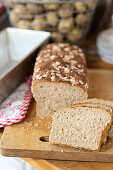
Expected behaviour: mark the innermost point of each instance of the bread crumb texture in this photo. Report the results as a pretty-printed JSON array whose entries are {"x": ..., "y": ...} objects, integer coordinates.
[{"x": 80, "y": 127}]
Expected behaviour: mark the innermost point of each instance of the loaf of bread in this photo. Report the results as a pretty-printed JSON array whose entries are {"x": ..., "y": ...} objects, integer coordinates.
[
  {"x": 104, "y": 103},
  {"x": 60, "y": 78},
  {"x": 80, "y": 127}
]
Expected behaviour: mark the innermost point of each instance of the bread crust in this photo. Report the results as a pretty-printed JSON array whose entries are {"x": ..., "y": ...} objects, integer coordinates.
[
  {"x": 59, "y": 47},
  {"x": 98, "y": 99},
  {"x": 81, "y": 104},
  {"x": 103, "y": 100},
  {"x": 61, "y": 66},
  {"x": 103, "y": 133}
]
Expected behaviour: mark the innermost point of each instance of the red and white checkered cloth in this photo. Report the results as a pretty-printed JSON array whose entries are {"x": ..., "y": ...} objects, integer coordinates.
[{"x": 15, "y": 107}]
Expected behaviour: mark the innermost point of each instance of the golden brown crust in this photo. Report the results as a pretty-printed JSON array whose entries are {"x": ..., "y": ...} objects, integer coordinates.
[
  {"x": 66, "y": 65},
  {"x": 110, "y": 132},
  {"x": 105, "y": 132},
  {"x": 83, "y": 104},
  {"x": 61, "y": 144},
  {"x": 111, "y": 101},
  {"x": 65, "y": 47},
  {"x": 88, "y": 149}
]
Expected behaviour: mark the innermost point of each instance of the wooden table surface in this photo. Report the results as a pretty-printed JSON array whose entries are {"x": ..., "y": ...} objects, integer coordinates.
[{"x": 72, "y": 165}]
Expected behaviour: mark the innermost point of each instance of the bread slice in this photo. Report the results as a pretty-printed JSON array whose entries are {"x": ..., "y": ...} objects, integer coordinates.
[
  {"x": 80, "y": 127},
  {"x": 103, "y": 102},
  {"x": 108, "y": 108},
  {"x": 96, "y": 100}
]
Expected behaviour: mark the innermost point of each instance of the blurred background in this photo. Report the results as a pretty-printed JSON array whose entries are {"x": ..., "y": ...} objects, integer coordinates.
[{"x": 73, "y": 21}]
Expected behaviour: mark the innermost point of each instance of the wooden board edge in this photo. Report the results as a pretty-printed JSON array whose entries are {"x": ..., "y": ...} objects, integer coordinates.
[{"x": 54, "y": 155}]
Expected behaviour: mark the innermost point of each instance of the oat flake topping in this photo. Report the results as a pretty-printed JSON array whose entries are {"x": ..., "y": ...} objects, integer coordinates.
[{"x": 61, "y": 63}]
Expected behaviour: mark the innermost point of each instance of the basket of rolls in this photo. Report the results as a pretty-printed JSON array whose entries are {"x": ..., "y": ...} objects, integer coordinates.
[{"x": 68, "y": 21}]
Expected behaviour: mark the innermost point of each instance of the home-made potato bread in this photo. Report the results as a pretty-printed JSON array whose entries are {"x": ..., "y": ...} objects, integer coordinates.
[{"x": 59, "y": 79}]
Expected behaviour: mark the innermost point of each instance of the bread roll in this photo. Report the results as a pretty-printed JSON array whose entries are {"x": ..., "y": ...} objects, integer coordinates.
[
  {"x": 90, "y": 4},
  {"x": 35, "y": 9},
  {"x": 39, "y": 23},
  {"x": 52, "y": 19},
  {"x": 11, "y": 4},
  {"x": 80, "y": 7},
  {"x": 81, "y": 19},
  {"x": 13, "y": 17},
  {"x": 24, "y": 24},
  {"x": 74, "y": 36},
  {"x": 32, "y": 8},
  {"x": 65, "y": 25},
  {"x": 21, "y": 10},
  {"x": 65, "y": 11},
  {"x": 51, "y": 6},
  {"x": 57, "y": 37}
]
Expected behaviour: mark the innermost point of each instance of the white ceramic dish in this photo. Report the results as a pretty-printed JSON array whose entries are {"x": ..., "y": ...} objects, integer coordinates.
[
  {"x": 105, "y": 45},
  {"x": 17, "y": 48}
]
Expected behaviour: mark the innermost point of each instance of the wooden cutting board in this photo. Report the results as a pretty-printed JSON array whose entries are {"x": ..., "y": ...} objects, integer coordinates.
[{"x": 29, "y": 138}]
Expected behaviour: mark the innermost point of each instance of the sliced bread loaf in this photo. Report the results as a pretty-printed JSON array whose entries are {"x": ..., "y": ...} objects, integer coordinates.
[
  {"x": 104, "y": 103},
  {"x": 59, "y": 79},
  {"x": 80, "y": 127}
]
